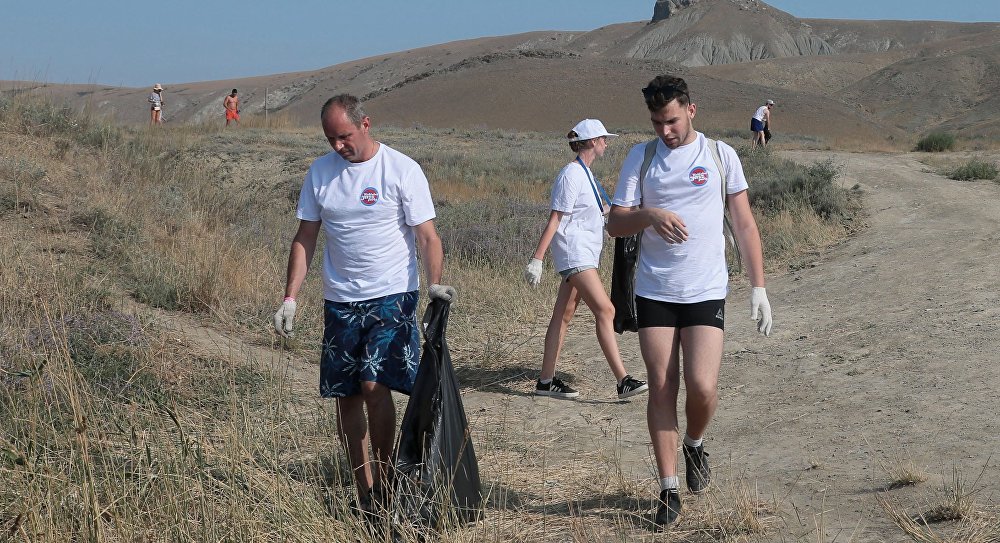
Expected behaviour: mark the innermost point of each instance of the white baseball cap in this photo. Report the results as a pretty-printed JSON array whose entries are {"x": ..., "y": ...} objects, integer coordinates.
[
  {"x": 589, "y": 129},
  {"x": 770, "y": 102}
]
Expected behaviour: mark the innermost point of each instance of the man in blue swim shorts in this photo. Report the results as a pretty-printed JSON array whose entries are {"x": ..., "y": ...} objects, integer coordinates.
[
  {"x": 374, "y": 205},
  {"x": 760, "y": 122}
]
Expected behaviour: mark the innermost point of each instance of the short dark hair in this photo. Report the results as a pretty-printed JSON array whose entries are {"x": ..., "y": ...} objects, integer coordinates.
[
  {"x": 663, "y": 89},
  {"x": 349, "y": 103},
  {"x": 234, "y": 91}
]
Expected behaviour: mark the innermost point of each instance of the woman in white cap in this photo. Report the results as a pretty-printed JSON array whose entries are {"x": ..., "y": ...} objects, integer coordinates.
[
  {"x": 156, "y": 104},
  {"x": 575, "y": 231}
]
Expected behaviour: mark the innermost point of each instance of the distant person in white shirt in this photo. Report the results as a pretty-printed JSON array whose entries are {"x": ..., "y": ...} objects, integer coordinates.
[
  {"x": 760, "y": 123},
  {"x": 575, "y": 231},
  {"x": 681, "y": 277},
  {"x": 156, "y": 104},
  {"x": 374, "y": 205}
]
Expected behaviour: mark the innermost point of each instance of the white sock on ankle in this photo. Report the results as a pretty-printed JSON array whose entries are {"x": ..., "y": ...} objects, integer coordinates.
[{"x": 669, "y": 482}]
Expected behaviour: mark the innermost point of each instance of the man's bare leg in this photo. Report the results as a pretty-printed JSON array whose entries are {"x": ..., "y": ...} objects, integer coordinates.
[
  {"x": 702, "y": 348},
  {"x": 382, "y": 425},
  {"x": 660, "y": 348},
  {"x": 353, "y": 431}
]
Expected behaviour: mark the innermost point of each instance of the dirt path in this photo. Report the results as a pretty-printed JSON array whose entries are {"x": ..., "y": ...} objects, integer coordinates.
[{"x": 883, "y": 351}]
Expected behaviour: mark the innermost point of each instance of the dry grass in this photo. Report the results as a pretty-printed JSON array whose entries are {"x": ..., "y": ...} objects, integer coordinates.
[
  {"x": 951, "y": 514},
  {"x": 903, "y": 472},
  {"x": 116, "y": 429}
]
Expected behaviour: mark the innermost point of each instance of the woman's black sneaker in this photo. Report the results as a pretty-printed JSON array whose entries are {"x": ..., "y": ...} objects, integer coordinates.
[
  {"x": 555, "y": 389},
  {"x": 669, "y": 508},
  {"x": 699, "y": 475},
  {"x": 630, "y": 386}
]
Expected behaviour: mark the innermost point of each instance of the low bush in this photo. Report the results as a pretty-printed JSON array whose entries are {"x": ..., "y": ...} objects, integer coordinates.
[
  {"x": 975, "y": 169},
  {"x": 935, "y": 142},
  {"x": 778, "y": 185}
]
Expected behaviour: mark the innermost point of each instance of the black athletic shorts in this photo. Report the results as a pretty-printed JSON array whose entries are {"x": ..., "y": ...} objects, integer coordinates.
[{"x": 653, "y": 313}]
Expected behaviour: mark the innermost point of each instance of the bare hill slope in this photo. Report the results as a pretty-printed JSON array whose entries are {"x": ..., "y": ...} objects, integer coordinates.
[{"x": 882, "y": 78}]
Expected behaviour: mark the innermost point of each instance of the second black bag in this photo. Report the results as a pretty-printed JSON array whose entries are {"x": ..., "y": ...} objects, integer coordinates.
[{"x": 437, "y": 474}]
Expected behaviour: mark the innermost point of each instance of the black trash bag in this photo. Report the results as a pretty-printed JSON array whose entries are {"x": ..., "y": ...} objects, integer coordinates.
[
  {"x": 437, "y": 474},
  {"x": 623, "y": 283}
]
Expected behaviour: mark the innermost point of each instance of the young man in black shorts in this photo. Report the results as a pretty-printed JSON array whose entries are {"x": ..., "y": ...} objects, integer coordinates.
[{"x": 681, "y": 277}]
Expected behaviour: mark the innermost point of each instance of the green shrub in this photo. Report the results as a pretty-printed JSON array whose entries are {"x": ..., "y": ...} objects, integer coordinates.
[
  {"x": 936, "y": 142},
  {"x": 975, "y": 169},
  {"x": 777, "y": 184}
]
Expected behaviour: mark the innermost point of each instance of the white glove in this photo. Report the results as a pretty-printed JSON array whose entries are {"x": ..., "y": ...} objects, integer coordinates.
[
  {"x": 284, "y": 317},
  {"x": 533, "y": 272},
  {"x": 760, "y": 310},
  {"x": 442, "y": 292}
]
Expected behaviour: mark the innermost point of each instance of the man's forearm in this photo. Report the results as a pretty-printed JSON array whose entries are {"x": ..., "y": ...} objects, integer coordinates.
[
  {"x": 625, "y": 222},
  {"x": 432, "y": 254}
]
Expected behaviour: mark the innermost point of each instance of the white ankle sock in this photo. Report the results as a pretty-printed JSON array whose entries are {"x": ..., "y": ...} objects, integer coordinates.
[
  {"x": 692, "y": 442},
  {"x": 669, "y": 482},
  {"x": 545, "y": 381}
]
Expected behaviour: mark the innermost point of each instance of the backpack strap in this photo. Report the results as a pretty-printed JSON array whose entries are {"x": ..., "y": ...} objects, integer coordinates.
[
  {"x": 727, "y": 226},
  {"x": 647, "y": 159}
]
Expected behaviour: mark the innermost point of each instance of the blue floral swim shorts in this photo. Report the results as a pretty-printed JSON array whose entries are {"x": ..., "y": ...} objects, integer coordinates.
[{"x": 373, "y": 340}]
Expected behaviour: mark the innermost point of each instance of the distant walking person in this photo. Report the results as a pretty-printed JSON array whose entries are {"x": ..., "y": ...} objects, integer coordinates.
[
  {"x": 232, "y": 105},
  {"x": 575, "y": 231},
  {"x": 374, "y": 207},
  {"x": 760, "y": 124},
  {"x": 681, "y": 278},
  {"x": 156, "y": 104}
]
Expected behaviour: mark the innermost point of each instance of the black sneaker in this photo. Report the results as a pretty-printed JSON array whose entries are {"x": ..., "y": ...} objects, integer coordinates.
[
  {"x": 669, "y": 508},
  {"x": 699, "y": 475},
  {"x": 630, "y": 386},
  {"x": 555, "y": 389}
]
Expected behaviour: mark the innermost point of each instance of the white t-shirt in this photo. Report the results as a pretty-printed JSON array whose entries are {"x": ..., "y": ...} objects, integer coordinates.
[
  {"x": 686, "y": 181},
  {"x": 580, "y": 234},
  {"x": 759, "y": 114},
  {"x": 367, "y": 210}
]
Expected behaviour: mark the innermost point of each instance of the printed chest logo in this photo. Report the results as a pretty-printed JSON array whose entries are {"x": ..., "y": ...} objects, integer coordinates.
[
  {"x": 369, "y": 196},
  {"x": 698, "y": 176}
]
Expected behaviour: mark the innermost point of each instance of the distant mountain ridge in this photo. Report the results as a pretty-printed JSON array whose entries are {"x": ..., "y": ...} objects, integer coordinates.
[{"x": 832, "y": 78}]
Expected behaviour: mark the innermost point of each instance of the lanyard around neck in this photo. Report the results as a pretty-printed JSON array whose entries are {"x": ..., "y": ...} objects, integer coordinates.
[{"x": 594, "y": 186}]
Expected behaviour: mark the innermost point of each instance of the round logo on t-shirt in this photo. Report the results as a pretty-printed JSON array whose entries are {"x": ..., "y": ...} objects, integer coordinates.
[
  {"x": 698, "y": 176},
  {"x": 369, "y": 196}
]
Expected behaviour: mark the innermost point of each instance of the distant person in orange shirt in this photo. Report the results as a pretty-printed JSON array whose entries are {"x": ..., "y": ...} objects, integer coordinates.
[
  {"x": 232, "y": 105},
  {"x": 156, "y": 104}
]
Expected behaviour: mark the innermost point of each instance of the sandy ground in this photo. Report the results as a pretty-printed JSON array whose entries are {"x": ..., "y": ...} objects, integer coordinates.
[{"x": 882, "y": 353}]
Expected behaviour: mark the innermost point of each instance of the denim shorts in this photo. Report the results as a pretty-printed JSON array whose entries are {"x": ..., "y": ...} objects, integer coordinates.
[
  {"x": 570, "y": 272},
  {"x": 373, "y": 340}
]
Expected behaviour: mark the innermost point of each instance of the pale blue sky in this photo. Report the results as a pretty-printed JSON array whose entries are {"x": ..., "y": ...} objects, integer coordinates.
[{"x": 137, "y": 43}]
